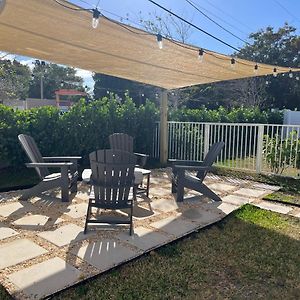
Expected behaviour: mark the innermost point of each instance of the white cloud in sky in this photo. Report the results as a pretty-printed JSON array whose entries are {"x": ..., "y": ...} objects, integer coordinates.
[{"x": 87, "y": 77}]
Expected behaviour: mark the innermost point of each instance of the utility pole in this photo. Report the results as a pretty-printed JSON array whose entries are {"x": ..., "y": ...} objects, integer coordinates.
[{"x": 42, "y": 64}]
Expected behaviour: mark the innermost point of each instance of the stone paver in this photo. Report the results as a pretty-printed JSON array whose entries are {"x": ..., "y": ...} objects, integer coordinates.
[
  {"x": 283, "y": 209},
  {"x": 223, "y": 187},
  {"x": 105, "y": 253},
  {"x": 14, "y": 208},
  {"x": 18, "y": 251},
  {"x": 164, "y": 205},
  {"x": 175, "y": 226},
  {"x": 250, "y": 192},
  {"x": 77, "y": 210},
  {"x": 144, "y": 238},
  {"x": 267, "y": 187},
  {"x": 6, "y": 232},
  {"x": 168, "y": 221},
  {"x": 34, "y": 221},
  {"x": 227, "y": 208},
  {"x": 45, "y": 278},
  {"x": 236, "y": 200},
  {"x": 65, "y": 235},
  {"x": 297, "y": 215},
  {"x": 202, "y": 216}
]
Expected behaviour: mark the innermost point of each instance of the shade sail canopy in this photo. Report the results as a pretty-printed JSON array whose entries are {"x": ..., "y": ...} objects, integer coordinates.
[{"x": 48, "y": 31}]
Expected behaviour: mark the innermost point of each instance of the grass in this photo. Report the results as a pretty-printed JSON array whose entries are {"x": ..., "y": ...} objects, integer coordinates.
[
  {"x": 252, "y": 254},
  {"x": 290, "y": 198}
]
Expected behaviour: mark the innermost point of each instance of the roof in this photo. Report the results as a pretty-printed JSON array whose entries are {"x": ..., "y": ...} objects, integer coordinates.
[
  {"x": 70, "y": 92},
  {"x": 48, "y": 31}
]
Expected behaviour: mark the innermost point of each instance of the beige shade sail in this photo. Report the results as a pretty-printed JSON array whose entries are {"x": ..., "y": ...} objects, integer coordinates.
[{"x": 43, "y": 29}]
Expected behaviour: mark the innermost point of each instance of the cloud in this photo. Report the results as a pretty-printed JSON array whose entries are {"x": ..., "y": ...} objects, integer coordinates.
[{"x": 87, "y": 77}]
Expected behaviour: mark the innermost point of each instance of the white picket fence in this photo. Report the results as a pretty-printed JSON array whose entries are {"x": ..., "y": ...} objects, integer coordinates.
[{"x": 269, "y": 148}]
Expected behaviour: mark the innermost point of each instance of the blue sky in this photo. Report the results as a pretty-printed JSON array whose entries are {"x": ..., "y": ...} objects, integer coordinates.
[{"x": 241, "y": 17}]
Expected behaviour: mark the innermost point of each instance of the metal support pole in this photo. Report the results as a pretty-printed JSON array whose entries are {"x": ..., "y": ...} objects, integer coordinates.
[{"x": 164, "y": 127}]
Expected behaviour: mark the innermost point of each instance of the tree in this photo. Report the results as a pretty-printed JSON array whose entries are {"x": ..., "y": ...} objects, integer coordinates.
[
  {"x": 268, "y": 46},
  {"x": 105, "y": 84},
  {"x": 54, "y": 78},
  {"x": 281, "y": 48},
  {"x": 14, "y": 80}
]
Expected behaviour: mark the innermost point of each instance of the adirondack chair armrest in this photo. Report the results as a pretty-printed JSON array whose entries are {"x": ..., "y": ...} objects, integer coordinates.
[
  {"x": 62, "y": 158},
  {"x": 141, "y": 154},
  {"x": 142, "y": 158},
  {"x": 192, "y": 168},
  {"x": 176, "y": 162},
  {"x": 49, "y": 165}
]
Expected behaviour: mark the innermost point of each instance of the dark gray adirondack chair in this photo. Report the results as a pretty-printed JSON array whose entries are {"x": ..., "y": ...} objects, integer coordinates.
[
  {"x": 66, "y": 179},
  {"x": 112, "y": 181},
  {"x": 181, "y": 179},
  {"x": 123, "y": 141}
]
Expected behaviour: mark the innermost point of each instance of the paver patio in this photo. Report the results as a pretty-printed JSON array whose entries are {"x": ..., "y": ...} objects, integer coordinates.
[{"x": 43, "y": 248}]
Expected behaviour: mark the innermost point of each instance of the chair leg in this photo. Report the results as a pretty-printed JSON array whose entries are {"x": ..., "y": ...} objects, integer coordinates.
[
  {"x": 180, "y": 192},
  {"x": 74, "y": 187},
  {"x": 203, "y": 189},
  {"x": 87, "y": 218},
  {"x": 174, "y": 187},
  {"x": 64, "y": 185}
]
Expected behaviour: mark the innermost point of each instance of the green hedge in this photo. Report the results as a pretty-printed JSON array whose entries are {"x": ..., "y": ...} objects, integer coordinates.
[
  {"x": 223, "y": 115},
  {"x": 83, "y": 129},
  {"x": 86, "y": 126}
]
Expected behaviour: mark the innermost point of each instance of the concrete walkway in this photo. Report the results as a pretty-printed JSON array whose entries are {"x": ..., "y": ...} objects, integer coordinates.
[{"x": 43, "y": 249}]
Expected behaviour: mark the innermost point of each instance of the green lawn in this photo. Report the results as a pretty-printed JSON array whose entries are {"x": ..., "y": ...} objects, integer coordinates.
[
  {"x": 291, "y": 198},
  {"x": 252, "y": 254}
]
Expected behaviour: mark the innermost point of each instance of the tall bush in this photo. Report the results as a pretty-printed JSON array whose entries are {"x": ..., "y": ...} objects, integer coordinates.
[{"x": 83, "y": 129}]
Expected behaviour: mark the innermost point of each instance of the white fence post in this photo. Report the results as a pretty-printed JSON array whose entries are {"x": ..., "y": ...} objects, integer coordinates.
[
  {"x": 259, "y": 148},
  {"x": 206, "y": 138}
]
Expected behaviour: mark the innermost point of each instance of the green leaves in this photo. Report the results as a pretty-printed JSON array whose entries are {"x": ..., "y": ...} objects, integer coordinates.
[{"x": 80, "y": 131}]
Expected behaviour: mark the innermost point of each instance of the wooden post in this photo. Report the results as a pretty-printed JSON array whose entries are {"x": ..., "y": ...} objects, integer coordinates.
[
  {"x": 57, "y": 99},
  {"x": 164, "y": 127}
]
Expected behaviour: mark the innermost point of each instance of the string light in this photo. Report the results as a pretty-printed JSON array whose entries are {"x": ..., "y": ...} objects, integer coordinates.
[
  {"x": 275, "y": 72},
  {"x": 95, "y": 20},
  {"x": 267, "y": 82},
  {"x": 291, "y": 74},
  {"x": 232, "y": 63},
  {"x": 297, "y": 78},
  {"x": 201, "y": 55},
  {"x": 256, "y": 69},
  {"x": 159, "y": 40}
]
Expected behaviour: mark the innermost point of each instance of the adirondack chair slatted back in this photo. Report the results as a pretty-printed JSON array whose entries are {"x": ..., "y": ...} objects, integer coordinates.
[
  {"x": 33, "y": 153},
  {"x": 210, "y": 158},
  {"x": 121, "y": 141},
  {"x": 112, "y": 177}
]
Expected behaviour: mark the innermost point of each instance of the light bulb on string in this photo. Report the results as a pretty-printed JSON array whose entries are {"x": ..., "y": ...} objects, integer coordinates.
[
  {"x": 159, "y": 40},
  {"x": 256, "y": 69},
  {"x": 201, "y": 55},
  {"x": 275, "y": 72},
  {"x": 232, "y": 63},
  {"x": 95, "y": 20},
  {"x": 297, "y": 78},
  {"x": 267, "y": 82},
  {"x": 291, "y": 74}
]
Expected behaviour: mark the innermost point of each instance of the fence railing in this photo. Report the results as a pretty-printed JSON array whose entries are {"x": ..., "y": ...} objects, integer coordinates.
[{"x": 268, "y": 148}]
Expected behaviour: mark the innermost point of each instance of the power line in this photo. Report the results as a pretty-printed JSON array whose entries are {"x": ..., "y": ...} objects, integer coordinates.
[
  {"x": 212, "y": 20},
  {"x": 287, "y": 11},
  {"x": 229, "y": 15},
  {"x": 193, "y": 25}
]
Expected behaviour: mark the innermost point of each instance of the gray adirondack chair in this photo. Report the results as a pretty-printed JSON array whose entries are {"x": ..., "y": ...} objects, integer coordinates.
[
  {"x": 66, "y": 179},
  {"x": 112, "y": 181},
  {"x": 181, "y": 179},
  {"x": 123, "y": 141}
]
